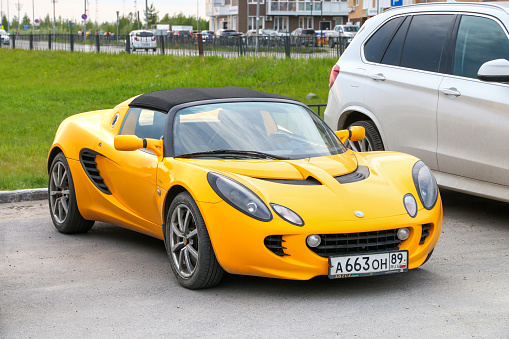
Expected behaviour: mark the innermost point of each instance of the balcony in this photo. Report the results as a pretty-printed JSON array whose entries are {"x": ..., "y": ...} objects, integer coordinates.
[{"x": 308, "y": 8}]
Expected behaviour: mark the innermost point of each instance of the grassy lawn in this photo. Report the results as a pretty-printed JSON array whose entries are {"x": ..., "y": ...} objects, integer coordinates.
[{"x": 39, "y": 89}]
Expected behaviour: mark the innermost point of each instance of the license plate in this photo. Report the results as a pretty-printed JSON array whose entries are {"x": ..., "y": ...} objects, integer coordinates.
[{"x": 368, "y": 264}]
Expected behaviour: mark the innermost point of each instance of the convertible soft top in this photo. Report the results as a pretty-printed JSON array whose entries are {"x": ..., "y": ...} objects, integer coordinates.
[{"x": 165, "y": 100}]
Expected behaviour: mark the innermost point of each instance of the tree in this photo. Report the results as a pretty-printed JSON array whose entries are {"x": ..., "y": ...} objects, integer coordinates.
[
  {"x": 5, "y": 22},
  {"x": 26, "y": 20},
  {"x": 14, "y": 22},
  {"x": 153, "y": 15}
]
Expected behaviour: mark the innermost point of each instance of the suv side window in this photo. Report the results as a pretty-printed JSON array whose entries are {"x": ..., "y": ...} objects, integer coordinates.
[
  {"x": 144, "y": 123},
  {"x": 375, "y": 47},
  {"x": 393, "y": 54},
  {"x": 479, "y": 40},
  {"x": 425, "y": 41}
]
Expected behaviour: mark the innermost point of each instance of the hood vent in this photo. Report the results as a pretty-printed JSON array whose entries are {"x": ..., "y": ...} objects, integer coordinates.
[
  {"x": 361, "y": 173},
  {"x": 87, "y": 159},
  {"x": 307, "y": 181}
]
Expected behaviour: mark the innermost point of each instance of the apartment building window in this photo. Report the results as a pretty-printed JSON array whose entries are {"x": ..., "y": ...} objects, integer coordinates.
[
  {"x": 251, "y": 22},
  {"x": 305, "y": 22},
  {"x": 281, "y": 22}
]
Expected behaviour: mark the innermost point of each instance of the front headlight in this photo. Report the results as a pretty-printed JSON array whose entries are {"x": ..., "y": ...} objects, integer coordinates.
[
  {"x": 425, "y": 184},
  {"x": 239, "y": 196}
]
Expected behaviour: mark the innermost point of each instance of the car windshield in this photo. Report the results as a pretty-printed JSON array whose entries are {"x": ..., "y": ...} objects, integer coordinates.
[
  {"x": 351, "y": 28},
  {"x": 308, "y": 31},
  {"x": 254, "y": 129}
]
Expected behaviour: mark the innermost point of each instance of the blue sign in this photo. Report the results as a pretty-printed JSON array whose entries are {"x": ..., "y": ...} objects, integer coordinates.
[
  {"x": 397, "y": 3},
  {"x": 26, "y": 26},
  {"x": 84, "y": 16}
]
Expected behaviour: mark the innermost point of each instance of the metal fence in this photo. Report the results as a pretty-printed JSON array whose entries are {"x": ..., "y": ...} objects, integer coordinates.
[{"x": 281, "y": 47}]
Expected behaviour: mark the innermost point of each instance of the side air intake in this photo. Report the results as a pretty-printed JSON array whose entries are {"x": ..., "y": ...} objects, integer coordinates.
[{"x": 87, "y": 159}]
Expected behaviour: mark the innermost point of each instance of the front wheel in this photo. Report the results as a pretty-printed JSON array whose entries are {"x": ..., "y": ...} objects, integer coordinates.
[
  {"x": 62, "y": 199},
  {"x": 372, "y": 141},
  {"x": 187, "y": 242}
]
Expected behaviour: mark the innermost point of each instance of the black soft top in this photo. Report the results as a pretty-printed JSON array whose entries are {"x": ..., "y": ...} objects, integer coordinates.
[{"x": 165, "y": 100}]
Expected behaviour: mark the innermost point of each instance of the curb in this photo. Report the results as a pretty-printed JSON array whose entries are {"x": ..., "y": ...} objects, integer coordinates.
[{"x": 23, "y": 195}]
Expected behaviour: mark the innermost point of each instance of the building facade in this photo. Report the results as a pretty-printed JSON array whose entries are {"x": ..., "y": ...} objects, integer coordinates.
[
  {"x": 361, "y": 10},
  {"x": 288, "y": 15}
]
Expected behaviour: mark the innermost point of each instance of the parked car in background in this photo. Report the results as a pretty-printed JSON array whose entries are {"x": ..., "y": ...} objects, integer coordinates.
[
  {"x": 341, "y": 32},
  {"x": 207, "y": 35},
  {"x": 227, "y": 32},
  {"x": 432, "y": 80},
  {"x": 303, "y": 37},
  {"x": 4, "y": 37},
  {"x": 183, "y": 33},
  {"x": 142, "y": 39}
]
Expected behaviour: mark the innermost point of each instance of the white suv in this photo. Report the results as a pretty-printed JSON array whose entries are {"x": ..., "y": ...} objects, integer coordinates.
[{"x": 432, "y": 80}]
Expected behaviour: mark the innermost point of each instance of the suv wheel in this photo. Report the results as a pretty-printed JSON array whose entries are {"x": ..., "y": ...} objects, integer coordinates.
[{"x": 372, "y": 141}]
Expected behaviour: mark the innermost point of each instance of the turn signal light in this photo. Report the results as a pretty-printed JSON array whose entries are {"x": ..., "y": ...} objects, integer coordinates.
[{"x": 333, "y": 75}]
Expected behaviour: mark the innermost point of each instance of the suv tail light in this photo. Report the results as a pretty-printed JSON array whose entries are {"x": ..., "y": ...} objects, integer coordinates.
[
  {"x": 135, "y": 38},
  {"x": 333, "y": 75},
  {"x": 154, "y": 39}
]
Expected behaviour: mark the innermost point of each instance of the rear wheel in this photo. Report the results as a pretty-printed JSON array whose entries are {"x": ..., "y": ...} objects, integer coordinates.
[
  {"x": 372, "y": 141},
  {"x": 187, "y": 242},
  {"x": 62, "y": 199}
]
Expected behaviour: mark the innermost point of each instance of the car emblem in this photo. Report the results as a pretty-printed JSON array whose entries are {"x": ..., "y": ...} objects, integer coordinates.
[{"x": 359, "y": 214}]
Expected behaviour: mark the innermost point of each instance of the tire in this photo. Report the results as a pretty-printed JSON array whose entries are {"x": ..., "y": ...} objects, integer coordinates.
[
  {"x": 188, "y": 245},
  {"x": 62, "y": 199},
  {"x": 153, "y": 49},
  {"x": 372, "y": 141}
]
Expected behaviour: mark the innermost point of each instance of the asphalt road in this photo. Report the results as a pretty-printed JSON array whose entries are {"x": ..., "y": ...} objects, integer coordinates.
[{"x": 114, "y": 283}]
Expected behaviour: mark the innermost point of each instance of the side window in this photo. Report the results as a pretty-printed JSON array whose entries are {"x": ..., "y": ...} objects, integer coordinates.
[
  {"x": 425, "y": 41},
  {"x": 144, "y": 123},
  {"x": 393, "y": 54},
  {"x": 479, "y": 40},
  {"x": 375, "y": 47}
]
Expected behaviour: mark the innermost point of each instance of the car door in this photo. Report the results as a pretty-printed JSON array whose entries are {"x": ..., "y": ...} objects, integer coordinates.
[
  {"x": 473, "y": 115},
  {"x": 401, "y": 88},
  {"x": 132, "y": 175}
]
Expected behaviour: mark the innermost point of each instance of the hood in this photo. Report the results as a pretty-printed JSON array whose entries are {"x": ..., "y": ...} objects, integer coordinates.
[{"x": 310, "y": 187}]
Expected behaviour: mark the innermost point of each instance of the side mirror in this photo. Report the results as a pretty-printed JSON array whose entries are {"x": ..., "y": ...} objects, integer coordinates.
[
  {"x": 133, "y": 143},
  {"x": 494, "y": 71},
  {"x": 354, "y": 133}
]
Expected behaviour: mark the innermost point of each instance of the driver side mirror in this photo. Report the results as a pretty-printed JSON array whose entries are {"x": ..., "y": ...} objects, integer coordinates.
[
  {"x": 133, "y": 143},
  {"x": 354, "y": 133},
  {"x": 494, "y": 71}
]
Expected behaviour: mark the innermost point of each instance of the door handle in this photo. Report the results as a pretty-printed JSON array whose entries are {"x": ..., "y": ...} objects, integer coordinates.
[
  {"x": 378, "y": 76},
  {"x": 451, "y": 91}
]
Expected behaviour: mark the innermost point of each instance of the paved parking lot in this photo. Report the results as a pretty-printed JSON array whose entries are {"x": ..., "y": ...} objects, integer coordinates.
[{"x": 113, "y": 283}]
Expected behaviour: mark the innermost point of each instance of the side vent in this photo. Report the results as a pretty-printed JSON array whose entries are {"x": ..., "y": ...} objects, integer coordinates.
[{"x": 87, "y": 159}]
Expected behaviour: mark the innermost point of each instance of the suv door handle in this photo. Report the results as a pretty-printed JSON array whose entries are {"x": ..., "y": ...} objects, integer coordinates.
[
  {"x": 451, "y": 91},
  {"x": 378, "y": 76}
]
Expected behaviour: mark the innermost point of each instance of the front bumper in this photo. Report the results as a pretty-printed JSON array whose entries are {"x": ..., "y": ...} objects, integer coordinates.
[{"x": 238, "y": 240}]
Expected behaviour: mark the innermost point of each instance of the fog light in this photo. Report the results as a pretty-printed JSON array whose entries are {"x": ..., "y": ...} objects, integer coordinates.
[
  {"x": 403, "y": 233},
  {"x": 314, "y": 240}
]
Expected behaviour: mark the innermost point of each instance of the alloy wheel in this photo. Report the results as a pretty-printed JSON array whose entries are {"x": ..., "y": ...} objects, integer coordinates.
[
  {"x": 59, "y": 192},
  {"x": 184, "y": 241}
]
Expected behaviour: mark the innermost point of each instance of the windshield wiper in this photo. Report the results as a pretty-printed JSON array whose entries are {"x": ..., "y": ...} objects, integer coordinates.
[{"x": 251, "y": 154}]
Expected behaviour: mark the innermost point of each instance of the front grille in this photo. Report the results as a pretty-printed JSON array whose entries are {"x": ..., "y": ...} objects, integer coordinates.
[
  {"x": 356, "y": 243},
  {"x": 425, "y": 233},
  {"x": 87, "y": 158},
  {"x": 275, "y": 244}
]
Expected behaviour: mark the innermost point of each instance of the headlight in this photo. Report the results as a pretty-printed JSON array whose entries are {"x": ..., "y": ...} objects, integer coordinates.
[
  {"x": 239, "y": 196},
  {"x": 425, "y": 184},
  {"x": 287, "y": 214}
]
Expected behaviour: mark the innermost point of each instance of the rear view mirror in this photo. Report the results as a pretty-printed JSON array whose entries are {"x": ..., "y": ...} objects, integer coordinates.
[
  {"x": 354, "y": 133},
  {"x": 494, "y": 71},
  {"x": 133, "y": 143}
]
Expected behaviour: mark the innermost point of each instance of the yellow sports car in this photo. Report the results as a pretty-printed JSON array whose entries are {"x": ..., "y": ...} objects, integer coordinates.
[{"x": 245, "y": 182}]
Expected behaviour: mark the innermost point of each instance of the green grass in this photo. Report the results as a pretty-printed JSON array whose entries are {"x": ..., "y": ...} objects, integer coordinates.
[{"x": 40, "y": 88}]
